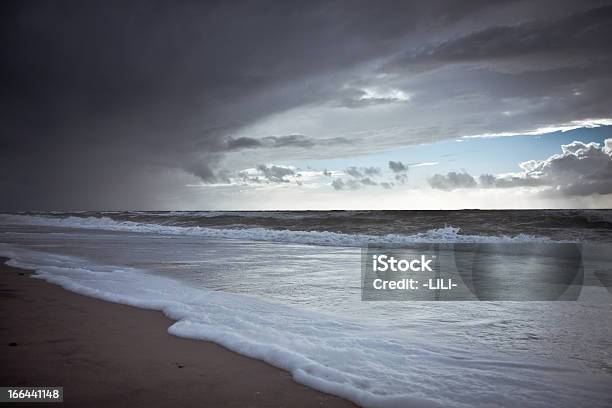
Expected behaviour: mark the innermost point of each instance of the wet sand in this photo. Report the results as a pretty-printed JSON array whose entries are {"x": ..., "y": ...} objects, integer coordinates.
[{"x": 106, "y": 354}]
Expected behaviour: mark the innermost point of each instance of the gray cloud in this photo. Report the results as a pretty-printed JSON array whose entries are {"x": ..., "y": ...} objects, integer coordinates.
[
  {"x": 398, "y": 167},
  {"x": 492, "y": 181},
  {"x": 275, "y": 173},
  {"x": 339, "y": 184},
  {"x": 352, "y": 184},
  {"x": 401, "y": 178},
  {"x": 581, "y": 169},
  {"x": 274, "y": 142},
  {"x": 242, "y": 143},
  {"x": 368, "y": 182},
  {"x": 360, "y": 172},
  {"x": 354, "y": 172},
  {"x": 271, "y": 142},
  {"x": 401, "y": 171},
  {"x": 452, "y": 181},
  {"x": 290, "y": 140},
  {"x": 371, "y": 171}
]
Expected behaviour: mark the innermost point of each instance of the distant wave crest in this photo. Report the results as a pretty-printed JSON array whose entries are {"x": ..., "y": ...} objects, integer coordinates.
[{"x": 327, "y": 238}]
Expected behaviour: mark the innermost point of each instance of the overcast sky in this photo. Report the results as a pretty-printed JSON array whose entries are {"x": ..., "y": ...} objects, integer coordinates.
[{"x": 305, "y": 105}]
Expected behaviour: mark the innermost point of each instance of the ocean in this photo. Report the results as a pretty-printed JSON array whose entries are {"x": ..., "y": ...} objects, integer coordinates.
[{"x": 285, "y": 287}]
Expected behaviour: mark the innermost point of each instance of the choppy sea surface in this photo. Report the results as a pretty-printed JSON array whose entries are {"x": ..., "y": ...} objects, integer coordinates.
[
  {"x": 594, "y": 225},
  {"x": 284, "y": 287}
]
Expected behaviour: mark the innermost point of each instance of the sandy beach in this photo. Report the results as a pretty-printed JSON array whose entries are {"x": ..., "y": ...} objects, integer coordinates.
[{"x": 106, "y": 354}]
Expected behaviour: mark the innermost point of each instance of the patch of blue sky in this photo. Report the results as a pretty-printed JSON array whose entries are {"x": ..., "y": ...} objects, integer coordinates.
[{"x": 476, "y": 156}]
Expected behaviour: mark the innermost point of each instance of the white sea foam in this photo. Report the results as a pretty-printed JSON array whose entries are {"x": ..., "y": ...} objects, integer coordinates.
[
  {"x": 370, "y": 365},
  {"x": 440, "y": 235}
]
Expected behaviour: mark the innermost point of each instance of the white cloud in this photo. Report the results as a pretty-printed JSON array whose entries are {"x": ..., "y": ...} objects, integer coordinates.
[
  {"x": 563, "y": 127},
  {"x": 425, "y": 164},
  {"x": 381, "y": 94}
]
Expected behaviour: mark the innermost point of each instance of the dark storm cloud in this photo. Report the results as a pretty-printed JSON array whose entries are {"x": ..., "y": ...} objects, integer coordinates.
[
  {"x": 290, "y": 140},
  {"x": 112, "y": 104},
  {"x": 580, "y": 35},
  {"x": 242, "y": 143},
  {"x": 92, "y": 90},
  {"x": 204, "y": 168},
  {"x": 273, "y": 142}
]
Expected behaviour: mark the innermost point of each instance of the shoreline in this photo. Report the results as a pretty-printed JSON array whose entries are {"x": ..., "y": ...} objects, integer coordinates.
[{"x": 108, "y": 354}]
